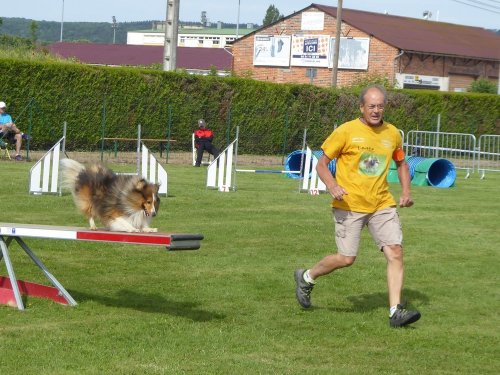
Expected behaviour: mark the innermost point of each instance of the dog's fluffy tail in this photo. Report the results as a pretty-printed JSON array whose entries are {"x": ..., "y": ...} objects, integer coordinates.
[{"x": 70, "y": 170}]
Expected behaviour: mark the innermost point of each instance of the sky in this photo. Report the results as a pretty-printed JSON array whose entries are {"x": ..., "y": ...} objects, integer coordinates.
[{"x": 481, "y": 13}]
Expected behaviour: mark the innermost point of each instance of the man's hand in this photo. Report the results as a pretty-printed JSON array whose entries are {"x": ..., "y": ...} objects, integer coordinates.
[
  {"x": 405, "y": 201},
  {"x": 338, "y": 192}
]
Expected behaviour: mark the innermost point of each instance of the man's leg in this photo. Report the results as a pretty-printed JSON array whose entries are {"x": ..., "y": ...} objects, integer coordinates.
[
  {"x": 329, "y": 264},
  {"x": 15, "y": 138},
  {"x": 19, "y": 141},
  {"x": 199, "y": 154},
  {"x": 348, "y": 226},
  {"x": 305, "y": 279},
  {"x": 214, "y": 151},
  {"x": 398, "y": 315},
  {"x": 385, "y": 228},
  {"x": 395, "y": 272}
]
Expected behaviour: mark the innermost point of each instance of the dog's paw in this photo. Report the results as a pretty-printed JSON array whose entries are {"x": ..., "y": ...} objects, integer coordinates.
[
  {"x": 150, "y": 230},
  {"x": 133, "y": 230}
]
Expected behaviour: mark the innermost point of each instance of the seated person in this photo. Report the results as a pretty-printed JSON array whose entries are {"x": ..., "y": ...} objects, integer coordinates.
[
  {"x": 9, "y": 131},
  {"x": 203, "y": 141}
]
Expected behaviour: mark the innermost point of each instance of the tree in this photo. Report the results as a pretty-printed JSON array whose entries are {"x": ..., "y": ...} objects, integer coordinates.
[
  {"x": 272, "y": 15},
  {"x": 34, "y": 31},
  {"x": 483, "y": 85}
]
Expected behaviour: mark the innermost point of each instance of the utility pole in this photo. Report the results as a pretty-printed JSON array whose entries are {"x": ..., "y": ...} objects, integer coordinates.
[
  {"x": 62, "y": 21},
  {"x": 337, "y": 43},
  {"x": 171, "y": 32},
  {"x": 114, "y": 29}
]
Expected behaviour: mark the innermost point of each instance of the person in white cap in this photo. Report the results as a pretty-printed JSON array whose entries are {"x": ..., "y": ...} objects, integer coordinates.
[{"x": 9, "y": 130}]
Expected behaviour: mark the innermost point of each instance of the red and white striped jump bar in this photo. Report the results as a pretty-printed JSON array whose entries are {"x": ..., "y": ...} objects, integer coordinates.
[{"x": 172, "y": 241}]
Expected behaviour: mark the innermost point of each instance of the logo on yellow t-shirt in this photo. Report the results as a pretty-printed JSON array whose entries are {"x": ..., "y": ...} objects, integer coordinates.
[{"x": 371, "y": 164}]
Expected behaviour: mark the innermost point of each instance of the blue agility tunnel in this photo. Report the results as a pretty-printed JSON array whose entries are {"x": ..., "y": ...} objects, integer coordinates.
[{"x": 292, "y": 163}]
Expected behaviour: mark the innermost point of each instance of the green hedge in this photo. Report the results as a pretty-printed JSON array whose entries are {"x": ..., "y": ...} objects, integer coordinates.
[{"x": 271, "y": 117}]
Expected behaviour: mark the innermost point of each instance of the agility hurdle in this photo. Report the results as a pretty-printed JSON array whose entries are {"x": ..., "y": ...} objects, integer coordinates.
[
  {"x": 313, "y": 184},
  {"x": 44, "y": 175},
  {"x": 221, "y": 172},
  {"x": 11, "y": 289},
  {"x": 152, "y": 170},
  {"x": 274, "y": 171},
  {"x": 148, "y": 166}
]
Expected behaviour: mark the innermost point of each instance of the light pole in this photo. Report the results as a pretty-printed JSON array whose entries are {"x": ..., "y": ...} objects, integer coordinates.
[
  {"x": 238, "y": 21},
  {"x": 171, "y": 33},
  {"x": 62, "y": 21},
  {"x": 114, "y": 29}
]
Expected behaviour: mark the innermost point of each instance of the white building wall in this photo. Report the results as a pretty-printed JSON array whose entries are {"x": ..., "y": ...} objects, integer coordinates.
[{"x": 184, "y": 40}]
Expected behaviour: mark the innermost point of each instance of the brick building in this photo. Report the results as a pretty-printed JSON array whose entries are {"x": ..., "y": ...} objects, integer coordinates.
[{"x": 414, "y": 53}]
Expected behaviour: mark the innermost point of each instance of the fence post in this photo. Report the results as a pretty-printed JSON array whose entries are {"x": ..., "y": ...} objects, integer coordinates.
[
  {"x": 169, "y": 127},
  {"x": 235, "y": 159},
  {"x": 228, "y": 126},
  {"x": 284, "y": 139},
  {"x": 138, "y": 154},
  {"x": 436, "y": 153},
  {"x": 30, "y": 127},
  {"x": 103, "y": 126}
]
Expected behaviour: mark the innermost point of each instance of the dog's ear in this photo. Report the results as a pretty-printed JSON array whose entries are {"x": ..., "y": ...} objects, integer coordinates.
[{"x": 141, "y": 184}]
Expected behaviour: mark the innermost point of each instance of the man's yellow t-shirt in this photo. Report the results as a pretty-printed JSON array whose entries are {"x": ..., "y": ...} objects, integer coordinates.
[{"x": 363, "y": 156}]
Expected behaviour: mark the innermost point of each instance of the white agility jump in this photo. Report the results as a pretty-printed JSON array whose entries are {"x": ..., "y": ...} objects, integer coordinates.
[
  {"x": 313, "y": 185},
  {"x": 152, "y": 170},
  {"x": 44, "y": 175},
  {"x": 11, "y": 288},
  {"x": 221, "y": 171}
]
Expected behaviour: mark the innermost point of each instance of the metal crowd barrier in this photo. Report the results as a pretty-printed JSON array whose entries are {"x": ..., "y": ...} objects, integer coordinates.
[
  {"x": 459, "y": 148},
  {"x": 488, "y": 154}
]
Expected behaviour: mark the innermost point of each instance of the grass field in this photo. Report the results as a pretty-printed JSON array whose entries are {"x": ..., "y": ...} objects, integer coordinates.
[{"x": 230, "y": 307}]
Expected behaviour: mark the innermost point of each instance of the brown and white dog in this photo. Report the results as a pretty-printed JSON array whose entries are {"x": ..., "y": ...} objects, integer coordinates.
[{"x": 123, "y": 203}]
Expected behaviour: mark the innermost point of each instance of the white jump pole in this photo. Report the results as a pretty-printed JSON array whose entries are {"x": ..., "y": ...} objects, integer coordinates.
[{"x": 275, "y": 171}]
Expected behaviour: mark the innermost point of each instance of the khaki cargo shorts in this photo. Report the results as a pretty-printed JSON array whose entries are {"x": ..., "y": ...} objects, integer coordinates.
[{"x": 384, "y": 227}]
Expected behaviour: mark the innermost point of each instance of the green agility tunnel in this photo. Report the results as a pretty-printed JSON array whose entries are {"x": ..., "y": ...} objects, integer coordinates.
[{"x": 427, "y": 172}]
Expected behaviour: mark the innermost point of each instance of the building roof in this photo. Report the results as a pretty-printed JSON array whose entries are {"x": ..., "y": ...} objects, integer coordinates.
[
  {"x": 418, "y": 35},
  {"x": 137, "y": 55}
]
